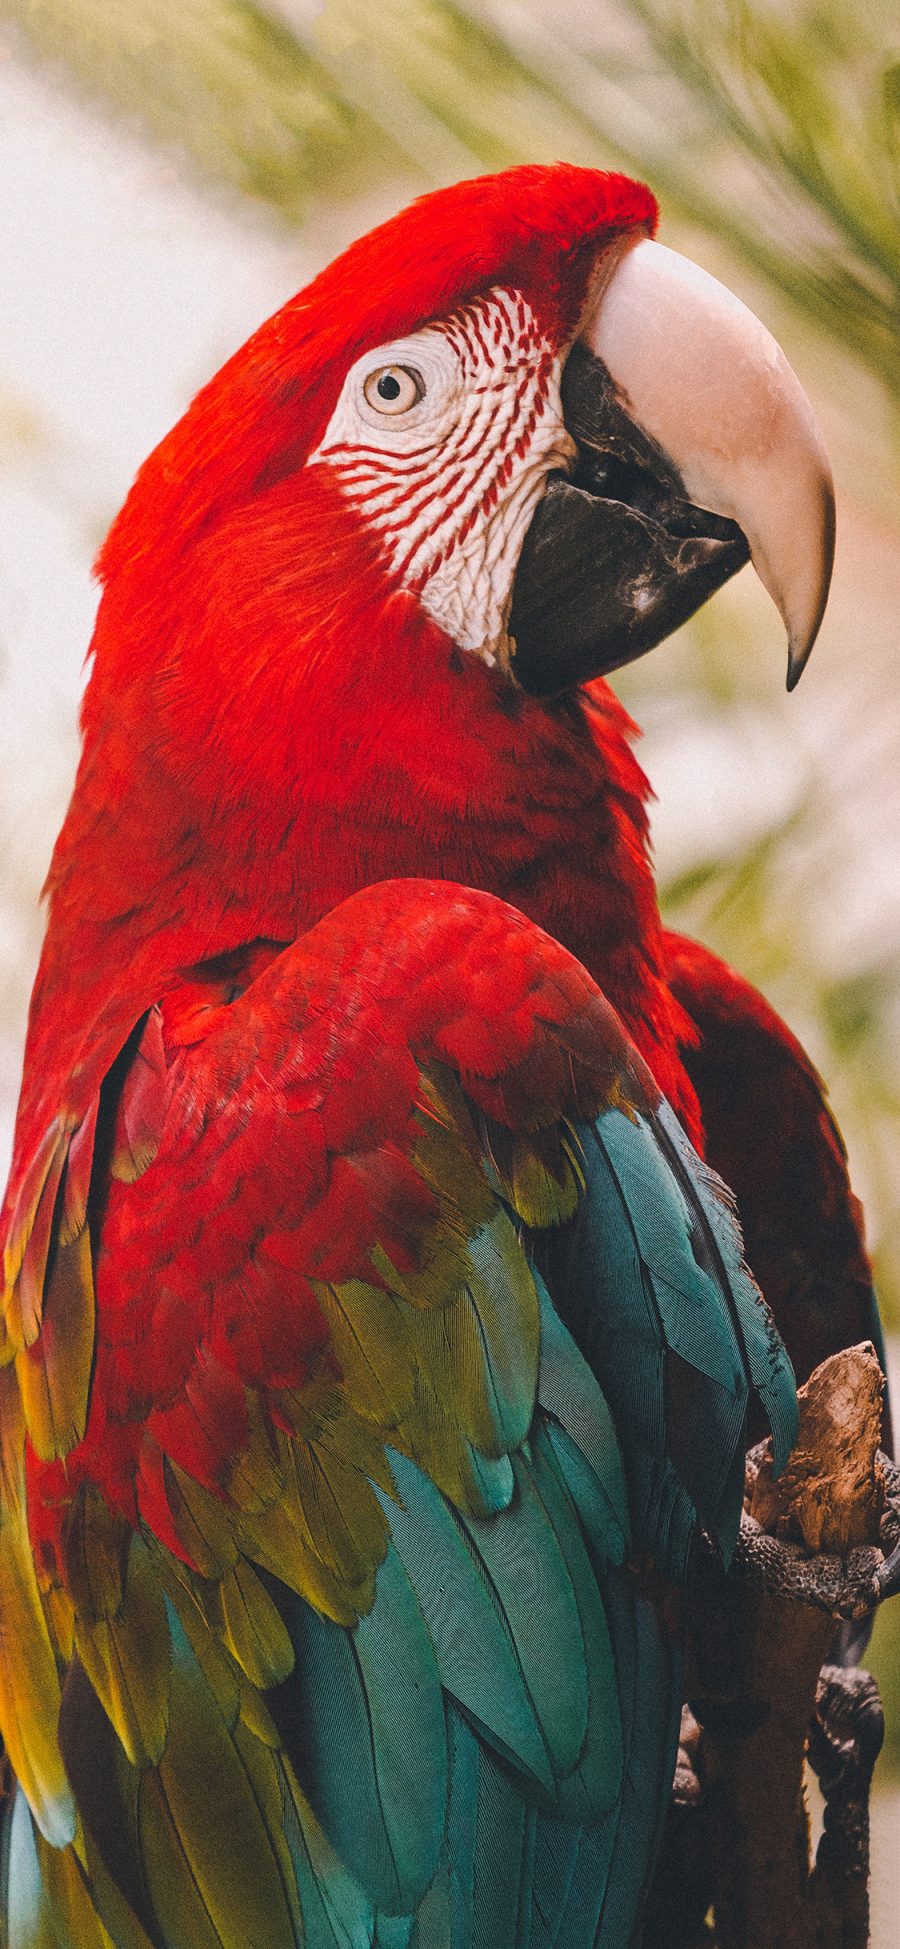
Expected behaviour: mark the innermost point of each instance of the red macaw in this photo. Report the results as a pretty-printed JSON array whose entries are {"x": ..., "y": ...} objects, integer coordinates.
[{"x": 376, "y": 1342}]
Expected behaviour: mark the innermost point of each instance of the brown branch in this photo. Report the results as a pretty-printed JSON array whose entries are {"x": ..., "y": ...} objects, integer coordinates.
[{"x": 762, "y": 1706}]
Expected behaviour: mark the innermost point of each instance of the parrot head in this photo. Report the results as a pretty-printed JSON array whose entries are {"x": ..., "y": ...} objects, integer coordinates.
[
  {"x": 355, "y": 601},
  {"x": 559, "y": 436}
]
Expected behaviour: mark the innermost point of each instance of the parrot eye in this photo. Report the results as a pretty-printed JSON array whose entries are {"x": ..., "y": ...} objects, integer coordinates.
[{"x": 394, "y": 388}]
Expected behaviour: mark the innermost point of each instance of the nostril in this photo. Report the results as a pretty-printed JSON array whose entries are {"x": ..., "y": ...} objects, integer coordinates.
[
  {"x": 613, "y": 477},
  {"x": 616, "y": 479}
]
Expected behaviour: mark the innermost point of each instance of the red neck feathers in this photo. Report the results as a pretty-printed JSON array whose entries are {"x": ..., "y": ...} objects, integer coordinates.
[{"x": 277, "y": 728}]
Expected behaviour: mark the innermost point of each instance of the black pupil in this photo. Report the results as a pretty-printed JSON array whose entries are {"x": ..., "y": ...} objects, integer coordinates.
[{"x": 388, "y": 387}]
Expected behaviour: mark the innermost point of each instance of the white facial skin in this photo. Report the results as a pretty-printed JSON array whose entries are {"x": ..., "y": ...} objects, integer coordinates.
[{"x": 443, "y": 441}]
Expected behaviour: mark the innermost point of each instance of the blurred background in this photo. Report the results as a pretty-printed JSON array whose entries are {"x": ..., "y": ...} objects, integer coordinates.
[{"x": 173, "y": 170}]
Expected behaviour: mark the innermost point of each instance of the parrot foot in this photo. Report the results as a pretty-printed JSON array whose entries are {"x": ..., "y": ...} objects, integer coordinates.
[
  {"x": 845, "y": 1739},
  {"x": 845, "y": 1586},
  {"x": 849, "y": 1586}
]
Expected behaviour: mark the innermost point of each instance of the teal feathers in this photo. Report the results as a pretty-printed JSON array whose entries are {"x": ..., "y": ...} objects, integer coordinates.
[
  {"x": 482, "y": 1758},
  {"x": 651, "y": 1280}
]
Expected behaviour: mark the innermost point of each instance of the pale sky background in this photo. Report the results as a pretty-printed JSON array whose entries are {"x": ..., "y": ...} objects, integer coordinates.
[{"x": 123, "y": 289}]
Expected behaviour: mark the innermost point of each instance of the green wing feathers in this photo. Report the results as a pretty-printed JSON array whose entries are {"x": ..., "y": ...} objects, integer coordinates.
[{"x": 650, "y": 1279}]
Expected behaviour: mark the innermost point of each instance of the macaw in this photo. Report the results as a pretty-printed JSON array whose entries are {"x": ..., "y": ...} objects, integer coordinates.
[{"x": 377, "y": 1338}]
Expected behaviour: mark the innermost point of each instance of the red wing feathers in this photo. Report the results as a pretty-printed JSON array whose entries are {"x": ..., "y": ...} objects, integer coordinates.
[
  {"x": 770, "y": 1133},
  {"x": 302, "y": 1258}
]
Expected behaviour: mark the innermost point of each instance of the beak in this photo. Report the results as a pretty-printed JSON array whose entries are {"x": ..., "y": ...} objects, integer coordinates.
[{"x": 697, "y": 450}]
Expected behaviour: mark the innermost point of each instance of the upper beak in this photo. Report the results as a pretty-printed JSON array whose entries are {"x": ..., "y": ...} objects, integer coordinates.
[{"x": 696, "y": 447}]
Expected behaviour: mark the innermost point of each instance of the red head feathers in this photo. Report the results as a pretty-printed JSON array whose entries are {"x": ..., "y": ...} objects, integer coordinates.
[{"x": 534, "y": 229}]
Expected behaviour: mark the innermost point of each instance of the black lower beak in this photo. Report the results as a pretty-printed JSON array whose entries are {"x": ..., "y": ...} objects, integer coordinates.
[{"x": 615, "y": 558}]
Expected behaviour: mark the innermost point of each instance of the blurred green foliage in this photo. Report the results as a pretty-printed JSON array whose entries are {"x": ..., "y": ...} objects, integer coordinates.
[
  {"x": 883, "y": 1658},
  {"x": 776, "y": 127}
]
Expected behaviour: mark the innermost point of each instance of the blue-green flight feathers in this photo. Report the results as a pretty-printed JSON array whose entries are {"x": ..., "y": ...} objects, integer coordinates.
[{"x": 483, "y": 1759}]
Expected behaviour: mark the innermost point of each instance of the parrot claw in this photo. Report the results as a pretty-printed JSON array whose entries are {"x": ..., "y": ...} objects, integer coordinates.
[
  {"x": 686, "y": 1787},
  {"x": 850, "y": 1586},
  {"x": 886, "y": 1581},
  {"x": 845, "y": 1739}
]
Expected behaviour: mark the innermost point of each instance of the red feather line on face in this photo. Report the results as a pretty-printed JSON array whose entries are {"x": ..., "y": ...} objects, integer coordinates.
[{"x": 429, "y": 481}]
